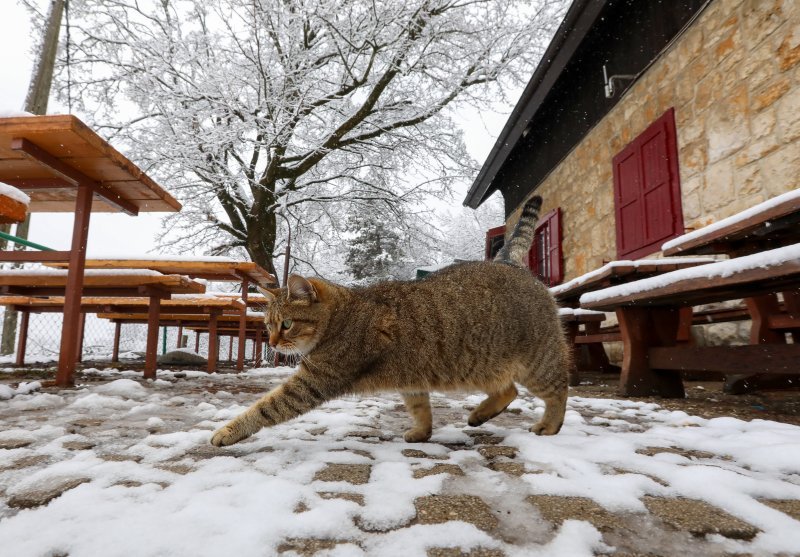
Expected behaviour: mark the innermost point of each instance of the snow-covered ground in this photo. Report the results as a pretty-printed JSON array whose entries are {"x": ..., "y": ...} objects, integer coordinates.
[{"x": 120, "y": 466}]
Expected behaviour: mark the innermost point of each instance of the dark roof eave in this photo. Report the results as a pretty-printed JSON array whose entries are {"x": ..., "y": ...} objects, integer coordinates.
[{"x": 577, "y": 22}]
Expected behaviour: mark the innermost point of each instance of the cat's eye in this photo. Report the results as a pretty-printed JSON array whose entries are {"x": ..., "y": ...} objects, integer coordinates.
[{"x": 287, "y": 324}]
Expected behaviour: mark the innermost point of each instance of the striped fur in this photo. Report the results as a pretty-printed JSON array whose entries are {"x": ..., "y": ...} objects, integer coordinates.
[{"x": 514, "y": 251}]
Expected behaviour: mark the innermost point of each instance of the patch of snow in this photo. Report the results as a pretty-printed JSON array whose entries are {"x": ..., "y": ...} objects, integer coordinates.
[
  {"x": 9, "y": 113},
  {"x": 15, "y": 194},
  {"x": 730, "y": 267},
  {"x": 733, "y": 219},
  {"x": 555, "y": 290}
]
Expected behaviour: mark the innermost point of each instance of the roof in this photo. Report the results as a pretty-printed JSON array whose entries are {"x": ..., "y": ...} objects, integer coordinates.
[
  {"x": 576, "y": 24},
  {"x": 72, "y": 149}
]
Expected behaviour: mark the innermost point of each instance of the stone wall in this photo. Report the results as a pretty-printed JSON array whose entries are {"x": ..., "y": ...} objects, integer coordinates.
[{"x": 734, "y": 80}]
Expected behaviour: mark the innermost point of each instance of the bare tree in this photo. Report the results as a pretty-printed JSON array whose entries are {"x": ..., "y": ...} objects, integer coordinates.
[{"x": 261, "y": 112}]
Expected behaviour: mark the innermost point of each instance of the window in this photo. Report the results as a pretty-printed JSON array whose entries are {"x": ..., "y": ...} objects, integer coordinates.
[
  {"x": 647, "y": 194},
  {"x": 545, "y": 257},
  {"x": 495, "y": 238}
]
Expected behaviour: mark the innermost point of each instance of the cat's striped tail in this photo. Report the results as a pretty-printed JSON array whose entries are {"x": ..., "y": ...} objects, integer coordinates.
[{"x": 513, "y": 251}]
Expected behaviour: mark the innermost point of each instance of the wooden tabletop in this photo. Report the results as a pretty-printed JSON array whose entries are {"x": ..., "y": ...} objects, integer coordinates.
[
  {"x": 125, "y": 304},
  {"x": 619, "y": 272},
  {"x": 768, "y": 225},
  {"x": 71, "y": 143},
  {"x": 215, "y": 270},
  {"x": 27, "y": 282},
  {"x": 172, "y": 316}
]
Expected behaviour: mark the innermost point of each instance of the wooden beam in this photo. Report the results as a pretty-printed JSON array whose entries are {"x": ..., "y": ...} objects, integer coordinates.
[
  {"x": 764, "y": 358},
  {"x": 599, "y": 337},
  {"x": 34, "y": 256},
  {"x": 22, "y": 341},
  {"x": 151, "y": 351},
  {"x": 117, "y": 334},
  {"x": 71, "y": 175}
]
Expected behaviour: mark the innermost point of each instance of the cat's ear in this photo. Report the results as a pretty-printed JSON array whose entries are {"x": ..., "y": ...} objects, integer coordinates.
[
  {"x": 301, "y": 290},
  {"x": 270, "y": 294},
  {"x": 321, "y": 288}
]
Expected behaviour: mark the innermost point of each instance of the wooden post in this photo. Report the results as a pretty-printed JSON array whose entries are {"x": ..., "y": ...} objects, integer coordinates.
[
  {"x": 74, "y": 288},
  {"x": 230, "y": 348},
  {"x": 760, "y": 308},
  {"x": 151, "y": 352},
  {"x": 180, "y": 334},
  {"x": 642, "y": 329},
  {"x": 81, "y": 333},
  {"x": 22, "y": 342},
  {"x": 242, "y": 326},
  {"x": 213, "y": 341},
  {"x": 197, "y": 341},
  {"x": 598, "y": 359},
  {"x": 117, "y": 331},
  {"x": 259, "y": 347}
]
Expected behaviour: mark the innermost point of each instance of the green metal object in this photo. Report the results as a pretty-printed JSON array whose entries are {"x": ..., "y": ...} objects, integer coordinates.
[
  {"x": 24, "y": 242},
  {"x": 164, "y": 341}
]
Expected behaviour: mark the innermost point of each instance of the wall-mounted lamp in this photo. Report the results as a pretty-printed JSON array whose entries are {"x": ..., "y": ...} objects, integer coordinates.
[{"x": 609, "y": 81}]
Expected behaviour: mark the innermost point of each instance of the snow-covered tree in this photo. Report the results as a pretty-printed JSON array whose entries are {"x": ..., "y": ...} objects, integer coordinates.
[
  {"x": 258, "y": 112},
  {"x": 374, "y": 252}
]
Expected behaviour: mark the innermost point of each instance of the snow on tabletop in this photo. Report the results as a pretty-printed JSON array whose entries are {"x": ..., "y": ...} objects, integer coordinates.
[
  {"x": 9, "y": 113},
  {"x": 555, "y": 290},
  {"x": 733, "y": 219},
  {"x": 727, "y": 268},
  {"x": 154, "y": 486},
  {"x": 578, "y": 311},
  {"x": 163, "y": 257},
  {"x": 42, "y": 272},
  {"x": 15, "y": 194}
]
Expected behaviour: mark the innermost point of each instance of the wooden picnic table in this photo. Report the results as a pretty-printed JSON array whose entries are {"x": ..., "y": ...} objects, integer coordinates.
[
  {"x": 217, "y": 269},
  {"x": 214, "y": 322},
  {"x": 619, "y": 272},
  {"x": 192, "y": 305},
  {"x": 772, "y": 224},
  {"x": 16, "y": 283},
  {"x": 65, "y": 167},
  {"x": 649, "y": 314}
]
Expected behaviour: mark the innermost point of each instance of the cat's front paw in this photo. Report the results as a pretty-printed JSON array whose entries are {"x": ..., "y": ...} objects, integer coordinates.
[{"x": 227, "y": 435}]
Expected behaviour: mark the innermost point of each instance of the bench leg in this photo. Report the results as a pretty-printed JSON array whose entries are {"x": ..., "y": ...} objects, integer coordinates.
[
  {"x": 598, "y": 359},
  {"x": 571, "y": 331},
  {"x": 760, "y": 308},
  {"x": 642, "y": 329}
]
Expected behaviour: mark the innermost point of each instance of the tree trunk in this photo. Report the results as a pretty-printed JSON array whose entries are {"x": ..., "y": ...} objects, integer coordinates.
[
  {"x": 35, "y": 103},
  {"x": 261, "y": 236}
]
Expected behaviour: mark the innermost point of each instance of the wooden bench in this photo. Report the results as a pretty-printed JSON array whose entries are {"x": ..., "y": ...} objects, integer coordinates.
[
  {"x": 110, "y": 284},
  {"x": 648, "y": 312}
]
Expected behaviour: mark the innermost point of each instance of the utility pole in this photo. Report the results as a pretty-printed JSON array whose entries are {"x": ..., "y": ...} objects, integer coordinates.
[{"x": 35, "y": 103}]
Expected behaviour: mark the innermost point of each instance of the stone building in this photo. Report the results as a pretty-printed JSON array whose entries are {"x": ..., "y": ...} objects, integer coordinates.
[{"x": 700, "y": 120}]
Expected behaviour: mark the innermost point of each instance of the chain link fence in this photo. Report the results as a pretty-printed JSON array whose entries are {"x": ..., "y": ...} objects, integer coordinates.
[{"x": 44, "y": 341}]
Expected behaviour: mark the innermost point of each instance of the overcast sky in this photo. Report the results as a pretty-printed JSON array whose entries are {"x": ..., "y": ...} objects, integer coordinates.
[{"x": 119, "y": 233}]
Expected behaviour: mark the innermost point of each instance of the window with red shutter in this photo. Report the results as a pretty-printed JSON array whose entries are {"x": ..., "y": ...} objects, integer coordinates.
[
  {"x": 545, "y": 258},
  {"x": 647, "y": 193},
  {"x": 495, "y": 238}
]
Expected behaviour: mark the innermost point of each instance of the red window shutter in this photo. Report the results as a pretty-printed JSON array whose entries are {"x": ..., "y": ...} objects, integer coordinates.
[
  {"x": 555, "y": 256},
  {"x": 545, "y": 258},
  {"x": 647, "y": 190},
  {"x": 495, "y": 238}
]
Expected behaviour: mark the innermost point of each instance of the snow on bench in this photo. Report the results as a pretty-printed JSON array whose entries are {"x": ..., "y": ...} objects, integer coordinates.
[
  {"x": 732, "y": 221},
  {"x": 15, "y": 194},
  {"x": 556, "y": 290},
  {"x": 699, "y": 278},
  {"x": 578, "y": 312}
]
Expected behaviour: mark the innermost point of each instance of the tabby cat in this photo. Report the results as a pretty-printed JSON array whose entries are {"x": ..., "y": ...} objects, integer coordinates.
[{"x": 474, "y": 325}]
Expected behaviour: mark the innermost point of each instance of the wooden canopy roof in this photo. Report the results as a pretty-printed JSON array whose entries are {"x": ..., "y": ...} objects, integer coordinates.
[{"x": 47, "y": 156}]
